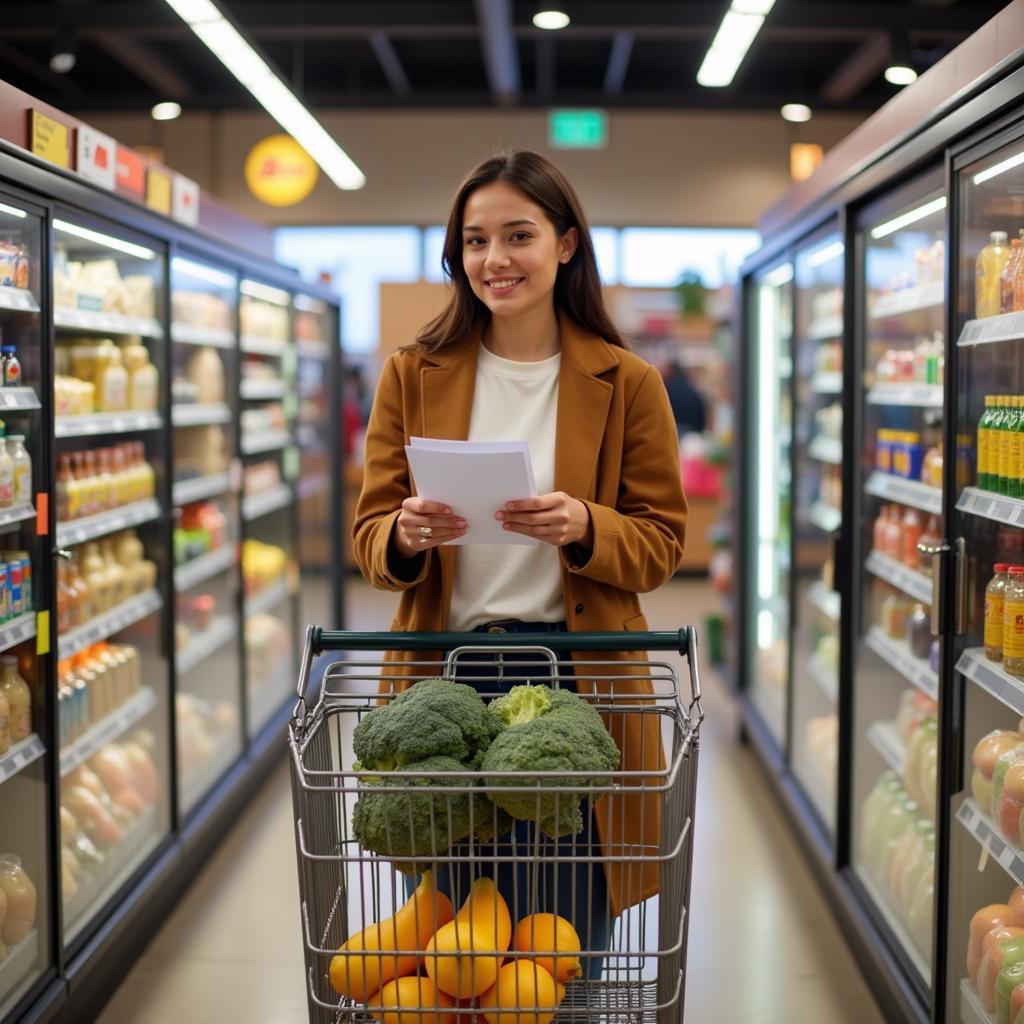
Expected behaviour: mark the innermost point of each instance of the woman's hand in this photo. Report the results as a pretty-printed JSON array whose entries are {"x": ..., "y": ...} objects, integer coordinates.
[
  {"x": 418, "y": 512},
  {"x": 553, "y": 518}
]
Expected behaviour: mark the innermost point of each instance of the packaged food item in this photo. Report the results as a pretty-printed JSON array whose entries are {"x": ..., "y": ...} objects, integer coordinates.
[
  {"x": 883, "y": 451},
  {"x": 143, "y": 377},
  {"x": 22, "y": 463},
  {"x": 1010, "y": 454},
  {"x": 1004, "y": 762},
  {"x": 894, "y": 534},
  {"x": 21, "y": 899},
  {"x": 995, "y": 595},
  {"x": 988, "y": 269},
  {"x": 912, "y": 528},
  {"x": 10, "y": 367},
  {"x": 919, "y": 631},
  {"x": 907, "y": 455},
  {"x": 878, "y": 530},
  {"x": 1006, "y": 278},
  {"x": 1013, "y": 622},
  {"x": 112, "y": 382},
  {"x": 6, "y": 472},
  {"x": 19, "y": 697},
  {"x": 986, "y": 919},
  {"x": 1018, "y": 285},
  {"x": 999, "y": 957},
  {"x": 929, "y": 538}
]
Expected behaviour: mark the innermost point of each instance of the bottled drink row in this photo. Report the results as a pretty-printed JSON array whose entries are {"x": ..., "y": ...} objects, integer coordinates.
[
  {"x": 1004, "y": 618},
  {"x": 1001, "y": 445},
  {"x": 901, "y": 453},
  {"x": 90, "y": 482},
  {"x": 101, "y": 376},
  {"x": 15, "y": 704},
  {"x": 999, "y": 276},
  {"x": 897, "y": 531},
  {"x": 925, "y": 363},
  {"x": 94, "y": 683}
]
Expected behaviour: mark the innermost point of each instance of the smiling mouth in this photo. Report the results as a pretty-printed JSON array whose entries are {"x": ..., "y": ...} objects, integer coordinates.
[{"x": 504, "y": 284}]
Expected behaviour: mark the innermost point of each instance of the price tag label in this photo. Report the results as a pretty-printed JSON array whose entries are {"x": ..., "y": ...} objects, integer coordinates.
[
  {"x": 49, "y": 139},
  {"x": 1003, "y": 510}
]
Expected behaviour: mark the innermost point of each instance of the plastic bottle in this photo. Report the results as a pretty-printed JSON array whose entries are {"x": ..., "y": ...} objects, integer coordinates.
[
  {"x": 894, "y": 534},
  {"x": 147, "y": 478},
  {"x": 19, "y": 697},
  {"x": 988, "y": 267},
  {"x": 1013, "y": 622},
  {"x": 112, "y": 383},
  {"x": 143, "y": 378},
  {"x": 22, "y": 469},
  {"x": 878, "y": 529},
  {"x": 912, "y": 527},
  {"x": 1014, "y": 449},
  {"x": 11, "y": 367},
  {"x": 6, "y": 473},
  {"x": 1006, "y": 278},
  {"x": 105, "y": 497},
  {"x": 995, "y": 598},
  {"x": 919, "y": 631},
  {"x": 984, "y": 447},
  {"x": 997, "y": 453},
  {"x": 21, "y": 899}
]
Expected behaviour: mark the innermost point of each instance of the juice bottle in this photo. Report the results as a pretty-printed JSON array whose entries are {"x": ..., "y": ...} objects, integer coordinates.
[
  {"x": 147, "y": 478},
  {"x": 22, "y": 469},
  {"x": 988, "y": 267},
  {"x": 984, "y": 443},
  {"x": 913, "y": 527},
  {"x": 63, "y": 480},
  {"x": 878, "y": 530},
  {"x": 19, "y": 697},
  {"x": 995, "y": 595},
  {"x": 6, "y": 473},
  {"x": 894, "y": 534},
  {"x": 104, "y": 481},
  {"x": 1007, "y": 276},
  {"x": 1013, "y": 622}
]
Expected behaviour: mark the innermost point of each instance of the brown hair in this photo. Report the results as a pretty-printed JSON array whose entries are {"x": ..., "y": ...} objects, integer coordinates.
[{"x": 577, "y": 286}]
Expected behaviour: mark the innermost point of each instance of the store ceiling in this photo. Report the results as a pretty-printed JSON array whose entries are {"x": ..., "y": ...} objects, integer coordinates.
[{"x": 399, "y": 53}]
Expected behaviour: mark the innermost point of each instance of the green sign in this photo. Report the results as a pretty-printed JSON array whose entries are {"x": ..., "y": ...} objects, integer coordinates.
[{"x": 577, "y": 129}]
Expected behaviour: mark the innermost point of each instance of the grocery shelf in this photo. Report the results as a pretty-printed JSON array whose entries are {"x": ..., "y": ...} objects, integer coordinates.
[
  {"x": 78, "y": 531},
  {"x": 896, "y": 926},
  {"x": 259, "y": 390},
  {"x": 825, "y": 328},
  {"x": 928, "y": 396},
  {"x": 828, "y": 602},
  {"x": 107, "y": 323},
  {"x": 992, "y": 677},
  {"x": 267, "y": 598},
  {"x": 126, "y": 614},
  {"x": 905, "y": 492},
  {"x": 21, "y": 300},
  {"x": 825, "y": 517},
  {"x": 311, "y": 349},
  {"x": 17, "y": 631},
  {"x": 910, "y": 581},
  {"x": 20, "y": 755},
  {"x": 19, "y": 398},
  {"x": 267, "y": 441},
  {"x": 983, "y": 828},
  {"x": 829, "y": 382},
  {"x": 12, "y": 518},
  {"x": 908, "y": 300},
  {"x": 990, "y": 329},
  {"x": 977, "y": 502},
  {"x": 195, "y": 783},
  {"x": 972, "y": 1011},
  {"x": 222, "y": 630},
  {"x": 898, "y": 656},
  {"x": 99, "y": 423},
  {"x": 258, "y": 346},
  {"x": 214, "y": 337},
  {"x": 886, "y": 740},
  {"x": 826, "y": 449},
  {"x": 18, "y": 965},
  {"x": 205, "y": 567},
  {"x": 211, "y": 486},
  {"x": 310, "y": 486},
  {"x": 114, "y": 725},
  {"x": 256, "y": 505},
  {"x": 824, "y": 678},
  {"x": 200, "y": 415}
]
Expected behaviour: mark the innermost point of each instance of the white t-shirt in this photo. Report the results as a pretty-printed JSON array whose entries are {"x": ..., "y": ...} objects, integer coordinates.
[{"x": 513, "y": 401}]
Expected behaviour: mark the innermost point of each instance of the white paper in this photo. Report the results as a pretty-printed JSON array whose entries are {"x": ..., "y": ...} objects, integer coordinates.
[{"x": 474, "y": 479}]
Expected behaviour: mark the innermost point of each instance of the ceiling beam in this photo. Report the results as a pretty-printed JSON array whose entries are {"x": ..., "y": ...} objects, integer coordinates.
[
  {"x": 618, "y": 63},
  {"x": 390, "y": 63},
  {"x": 866, "y": 63},
  {"x": 146, "y": 64},
  {"x": 499, "y": 45},
  {"x": 41, "y": 73}
]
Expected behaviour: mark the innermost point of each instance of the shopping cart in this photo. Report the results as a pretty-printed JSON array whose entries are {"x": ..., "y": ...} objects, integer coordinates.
[{"x": 636, "y": 973}]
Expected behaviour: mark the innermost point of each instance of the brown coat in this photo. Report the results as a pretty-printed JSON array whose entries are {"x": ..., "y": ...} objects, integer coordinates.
[{"x": 616, "y": 450}]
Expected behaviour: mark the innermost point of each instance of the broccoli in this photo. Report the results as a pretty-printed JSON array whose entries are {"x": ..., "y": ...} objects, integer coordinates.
[
  {"x": 541, "y": 729},
  {"x": 434, "y": 716}
]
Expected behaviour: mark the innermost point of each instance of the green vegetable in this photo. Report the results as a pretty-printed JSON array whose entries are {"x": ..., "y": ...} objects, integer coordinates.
[{"x": 541, "y": 729}]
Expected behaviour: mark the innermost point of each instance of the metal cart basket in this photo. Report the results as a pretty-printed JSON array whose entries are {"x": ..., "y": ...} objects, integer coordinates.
[{"x": 440, "y": 831}]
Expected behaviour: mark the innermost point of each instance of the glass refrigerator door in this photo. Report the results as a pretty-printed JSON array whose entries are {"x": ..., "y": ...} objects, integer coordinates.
[
  {"x": 208, "y": 695},
  {"x": 818, "y": 498},
  {"x": 24, "y": 845},
  {"x": 769, "y": 618},
  {"x": 895, "y": 749},
  {"x": 987, "y": 845},
  {"x": 271, "y": 465},
  {"x": 112, "y": 674}
]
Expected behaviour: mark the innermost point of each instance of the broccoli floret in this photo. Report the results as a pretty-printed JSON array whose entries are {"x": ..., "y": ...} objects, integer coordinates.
[
  {"x": 434, "y": 716},
  {"x": 548, "y": 731}
]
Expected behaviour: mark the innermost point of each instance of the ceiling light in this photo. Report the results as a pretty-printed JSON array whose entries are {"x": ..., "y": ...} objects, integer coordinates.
[
  {"x": 796, "y": 112},
  {"x": 108, "y": 241},
  {"x": 900, "y": 74},
  {"x": 728, "y": 48},
  {"x": 202, "y": 272},
  {"x": 911, "y": 217},
  {"x": 1000, "y": 168},
  {"x": 551, "y": 20},
  {"x": 235, "y": 53},
  {"x": 62, "y": 55},
  {"x": 308, "y": 305},
  {"x": 255, "y": 290},
  {"x": 12, "y": 211},
  {"x": 779, "y": 276},
  {"x": 825, "y": 254},
  {"x": 167, "y": 111}
]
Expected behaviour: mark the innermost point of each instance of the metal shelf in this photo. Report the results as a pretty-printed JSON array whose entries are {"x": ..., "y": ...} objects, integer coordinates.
[
  {"x": 910, "y": 581},
  {"x": 897, "y": 655},
  {"x": 214, "y": 337},
  {"x": 78, "y": 531},
  {"x": 17, "y": 399},
  {"x": 825, "y": 517},
  {"x": 885, "y": 739},
  {"x": 21, "y": 300},
  {"x": 12, "y": 518},
  {"x": 20, "y": 755},
  {"x": 126, "y": 614},
  {"x": 991, "y": 329},
  {"x": 828, "y": 602},
  {"x": 222, "y": 630},
  {"x": 824, "y": 678},
  {"x": 992, "y": 677},
  {"x": 205, "y": 567},
  {"x": 928, "y": 396},
  {"x": 212, "y": 486},
  {"x": 258, "y": 346},
  {"x": 17, "y": 631},
  {"x": 977, "y": 502},
  {"x": 107, "y": 323},
  {"x": 262, "y": 390},
  {"x": 825, "y": 329},
  {"x": 828, "y": 382},
  {"x": 200, "y": 415},
  {"x": 257, "y": 505},
  {"x": 826, "y": 449},
  {"x": 905, "y": 492},
  {"x": 99, "y": 423},
  {"x": 1007, "y": 855},
  {"x": 908, "y": 300},
  {"x": 115, "y": 724},
  {"x": 269, "y": 441},
  {"x": 267, "y": 598}
]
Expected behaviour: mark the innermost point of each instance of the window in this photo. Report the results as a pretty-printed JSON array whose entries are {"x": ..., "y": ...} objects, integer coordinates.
[{"x": 658, "y": 257}]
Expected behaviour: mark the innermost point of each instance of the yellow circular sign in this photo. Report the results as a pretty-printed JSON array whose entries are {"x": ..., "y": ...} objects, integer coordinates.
[{"x": 279, "y": 171}]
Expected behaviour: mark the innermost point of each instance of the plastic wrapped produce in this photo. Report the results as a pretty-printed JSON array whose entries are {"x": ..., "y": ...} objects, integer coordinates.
[
  {"x": 21, "y": 899},
  {"x": 986, "y": 752},
  {"x": 1004, "y": 762},
  {"x": 1009, "y": 978},
  {"x": 1000, "y": 956},
  {"x": 984, "y": 920}
]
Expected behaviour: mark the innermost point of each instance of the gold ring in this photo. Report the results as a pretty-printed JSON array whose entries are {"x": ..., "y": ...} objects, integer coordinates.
[{"x": 426, "y": 531}]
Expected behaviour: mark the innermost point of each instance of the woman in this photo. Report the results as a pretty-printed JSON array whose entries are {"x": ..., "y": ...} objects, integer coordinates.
[{"x": 524, "y": 350}]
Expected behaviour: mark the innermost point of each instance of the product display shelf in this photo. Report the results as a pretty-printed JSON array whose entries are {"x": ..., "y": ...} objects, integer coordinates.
[
  {"x": 196, "y": 782},
  {"x": 100, "y": 423},
  {"x": 254, "y": 506},
  {"x": 828, "y": 602},
  {"x": 12, "y": 518},
  {"x": 927, "y": 396},
  {"x": 211, "y": 486},
  {"x": 1008, "y": 327},
  {"x": 20, "y": 300},
  {"x": 908, "y": 300},
  {"x": 992, "y": 678},
  {"x": 267, "y": 598},
  {"x": 905, "y": 492},
  {"x": 886, "y": 740},
  {"x": 826, "y": 679},
  {"x": 268, "y": 441},
  {"x": 910, "y": 581},
  {"x": 971, "y": 1009},
  {"x": 310, "y": 349},
  {"x": 17, "y": 631},
  {"x": 200, "y": 415},
  {"x": 126, "y": 614},
  {"x": 895, "y": 925},
  {"x": 22, "y": 399},
  {"x": 107, "y": 323},
  {"x": 262, "y": 390},
  {"x": 205, "y": 567},
  {"x": 826, "y": 328},
  {"x": 977, "y": 502},
  {"x": 213, "y": 337},
  {"x": 118, "y": 722},
  {"x": 898, "y": 656},
  {"x": 1008, "y": 856},
  {"x": 78, "y": 531},
  {"x": 310, "y": 486},
  {"x": 222, "y": 630},
  {"x": 19, "y": 756},
  {"x": 253, "y": 344},
  {"x": 826, "y": 449},
  {"x": 825, "y": 517},
  {"x": 18, "y": 963}
]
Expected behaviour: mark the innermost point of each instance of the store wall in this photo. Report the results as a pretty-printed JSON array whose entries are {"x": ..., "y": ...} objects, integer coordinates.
[{"x": 660, "y": 168}]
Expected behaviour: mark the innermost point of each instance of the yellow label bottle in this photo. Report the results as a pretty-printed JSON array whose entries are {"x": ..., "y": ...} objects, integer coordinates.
[
  {"x": 995, "y": 610},
  {"x": 984, "y": 439},
  {"x": 1013, "y": 623},
  {"x": 1015, "y": 467}
]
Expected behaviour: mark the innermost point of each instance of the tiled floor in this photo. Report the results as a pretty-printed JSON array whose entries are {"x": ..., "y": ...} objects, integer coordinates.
[{"x": 763, "y": 946}]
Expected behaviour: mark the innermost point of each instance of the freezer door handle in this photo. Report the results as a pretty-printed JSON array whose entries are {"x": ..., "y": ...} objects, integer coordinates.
[
  {"x": 938, "y": 553},
  {"x": 960, "y": 625}
]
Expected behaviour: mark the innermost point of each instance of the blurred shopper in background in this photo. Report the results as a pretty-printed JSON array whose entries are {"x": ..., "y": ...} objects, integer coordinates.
[{"x": 688, "y": 407}]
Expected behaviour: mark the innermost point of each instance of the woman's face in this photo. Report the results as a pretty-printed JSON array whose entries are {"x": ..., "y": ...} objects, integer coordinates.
[{"x": 510, "y": 250}]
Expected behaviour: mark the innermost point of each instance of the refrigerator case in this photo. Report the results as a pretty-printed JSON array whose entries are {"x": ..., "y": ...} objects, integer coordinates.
[
  {"x": 110, "y": 358},
  {"x": 208, "y": 691},
  {"x": 898, "y": 509}
]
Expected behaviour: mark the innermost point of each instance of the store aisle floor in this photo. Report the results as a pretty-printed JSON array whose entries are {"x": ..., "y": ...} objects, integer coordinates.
[{"x": 763, "y": 945}]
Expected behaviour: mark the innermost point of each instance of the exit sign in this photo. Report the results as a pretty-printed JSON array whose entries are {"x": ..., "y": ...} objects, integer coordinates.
[{"x": 577, "y": 129}]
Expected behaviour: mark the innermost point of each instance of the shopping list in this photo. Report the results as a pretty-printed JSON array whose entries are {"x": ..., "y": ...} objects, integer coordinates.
[{"x": 474, "y": 479}]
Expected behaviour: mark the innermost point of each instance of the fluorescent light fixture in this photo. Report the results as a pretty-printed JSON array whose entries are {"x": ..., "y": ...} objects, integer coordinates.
[
  {"x": 900, "y": 74},
  {"x": 911, "y": 217},
  {"x": 798, "y": 113},
  {"x": 551, "y": 20},
  {"x": 202, "y": 272},
  {"x": 728, "y": 48},
  {"x": 825, "y": 254},
  {"x": 166, "y": 111},
  {"x": 62, "y": 62},
  {"x": 109, "y": 242},
  {"x": 1001, "y": 168},
  {"x": 765, "y": 629},
  {"x": 255, "y": 290},
  {"x": 761, "y": 7},
  {"x": 779, "y": 276},
  {"x": 12, "y": 210},
  {"x": 235, "y": 53},
  {"x": 765, "y": 570},
  {"x": 308, "y": 305}
]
